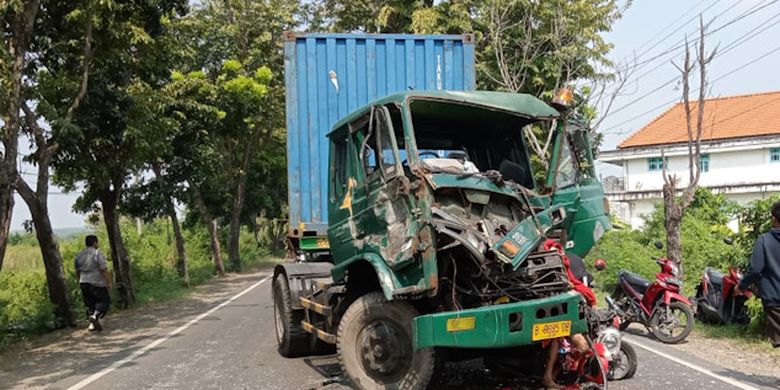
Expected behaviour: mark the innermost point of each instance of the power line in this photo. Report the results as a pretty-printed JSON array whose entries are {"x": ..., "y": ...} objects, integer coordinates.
[
  {"x": 736, "y": 43},
  {"x": 681, "y": 42},
  {"x": 728, "y": 47},
  {"x": 754, "y": 60},
  {"x": 681, "y": 26}
]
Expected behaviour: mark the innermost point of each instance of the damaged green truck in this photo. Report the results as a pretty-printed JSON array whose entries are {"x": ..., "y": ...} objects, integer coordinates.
[{"x": 432, "y": 249}]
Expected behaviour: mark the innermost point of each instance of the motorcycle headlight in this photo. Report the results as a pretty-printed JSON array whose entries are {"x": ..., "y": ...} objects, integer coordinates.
[
  {"x": 610, "y": 337},
  {"x": 675, "y": 269}
]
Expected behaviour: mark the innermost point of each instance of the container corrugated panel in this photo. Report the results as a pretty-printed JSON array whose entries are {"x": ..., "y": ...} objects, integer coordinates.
[{"x": 328, "y": 76}]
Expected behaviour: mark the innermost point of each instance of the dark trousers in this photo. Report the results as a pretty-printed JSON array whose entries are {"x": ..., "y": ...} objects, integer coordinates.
[
  {"x": 95, "y": 299},
  {"x": 773, "y": 322}
]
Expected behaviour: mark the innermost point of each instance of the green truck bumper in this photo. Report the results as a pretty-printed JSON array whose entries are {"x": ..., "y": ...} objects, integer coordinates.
[{"x": 497, "y": 326}]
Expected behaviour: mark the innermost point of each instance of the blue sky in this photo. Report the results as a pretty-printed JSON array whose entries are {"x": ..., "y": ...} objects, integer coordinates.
[{"x": 642, "y": 26}]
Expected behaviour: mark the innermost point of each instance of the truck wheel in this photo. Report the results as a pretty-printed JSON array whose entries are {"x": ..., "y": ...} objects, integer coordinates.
[
  {"x": 292, "y": 340},
  {"x": 375, "y": 346}
]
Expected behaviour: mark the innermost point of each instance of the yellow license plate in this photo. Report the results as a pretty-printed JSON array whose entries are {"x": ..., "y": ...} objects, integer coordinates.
[{"x": 551, "y": 330}]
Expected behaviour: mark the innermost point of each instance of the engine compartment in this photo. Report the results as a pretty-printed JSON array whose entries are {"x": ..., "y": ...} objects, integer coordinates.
[{"x": 468, "y": 224}]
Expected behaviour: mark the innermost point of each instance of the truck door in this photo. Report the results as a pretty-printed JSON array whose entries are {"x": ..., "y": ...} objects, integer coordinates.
[
  {"x": 380, "y": 205},
  {"x": 575, "y": 186}
]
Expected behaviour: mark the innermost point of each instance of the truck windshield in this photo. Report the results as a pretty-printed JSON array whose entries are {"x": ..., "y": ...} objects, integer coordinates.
[{"x": 455, "y": 137}]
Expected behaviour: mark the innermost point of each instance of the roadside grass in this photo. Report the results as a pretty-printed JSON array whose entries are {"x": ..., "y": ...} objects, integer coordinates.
[
  {"x": 25, "y": 311},
  {"x": 22, "y": 257}
]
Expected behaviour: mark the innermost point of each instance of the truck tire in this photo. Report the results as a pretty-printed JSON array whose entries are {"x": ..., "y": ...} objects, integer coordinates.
[
  {"x": 375, "y": 346},
  {"x": 292, "y": 340}
]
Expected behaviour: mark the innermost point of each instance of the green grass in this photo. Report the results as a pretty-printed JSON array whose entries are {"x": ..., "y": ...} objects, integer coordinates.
[
  {"x": 23, "y": 257},
  {"x": 24, "y": 307}
]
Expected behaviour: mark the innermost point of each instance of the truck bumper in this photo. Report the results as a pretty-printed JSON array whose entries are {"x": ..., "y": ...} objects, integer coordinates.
[{"x": 497, "y": 326}]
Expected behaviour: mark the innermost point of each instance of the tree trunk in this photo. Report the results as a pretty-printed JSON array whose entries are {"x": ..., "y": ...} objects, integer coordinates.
[
  {"x": 216, "y": 249},
  {"x": 238, "y": 204},
  {"x": 234, "y": 232},
  {"x": 50, "y": 251},
  {"x": 6, "y": 212},
  {"x": 181, "y": 255},
  {"x": 119, "y": 257},
  {"x": 673, "y": 221}
]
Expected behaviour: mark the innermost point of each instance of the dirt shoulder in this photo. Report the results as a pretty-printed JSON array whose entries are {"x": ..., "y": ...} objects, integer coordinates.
[
  {"x": 756, "y": 362},
  {"x": 62, "y": 353}
]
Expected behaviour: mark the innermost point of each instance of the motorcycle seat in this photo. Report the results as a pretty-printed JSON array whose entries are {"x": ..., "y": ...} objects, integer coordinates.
[
  {"x": 715, "y": 276},
  {"x": 637, "y": 282}
]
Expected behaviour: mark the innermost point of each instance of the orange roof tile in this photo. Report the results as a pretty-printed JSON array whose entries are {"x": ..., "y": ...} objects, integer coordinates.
[{"x": 727, "y": 117}]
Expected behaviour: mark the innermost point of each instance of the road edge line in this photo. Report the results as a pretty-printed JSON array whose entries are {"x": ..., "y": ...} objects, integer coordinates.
[
  {"x": 86, "y": 381},
  {"x": 692, "y": 366}
]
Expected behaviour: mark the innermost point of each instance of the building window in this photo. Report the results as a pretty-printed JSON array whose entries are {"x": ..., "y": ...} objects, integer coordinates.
[
  {"x": 774, "y": 155},
  {"x": 704, "y": 162},
  {"x": 655, "y": 164}
]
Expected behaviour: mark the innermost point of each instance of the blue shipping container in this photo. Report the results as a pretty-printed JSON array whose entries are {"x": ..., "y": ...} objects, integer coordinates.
[{"x": 327, "y": 76}]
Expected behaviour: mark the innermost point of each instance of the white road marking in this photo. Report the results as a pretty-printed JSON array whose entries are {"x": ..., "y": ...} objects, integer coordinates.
[
  {"x": 692, "y": 366},
  {"x": 161, "y": 340}
]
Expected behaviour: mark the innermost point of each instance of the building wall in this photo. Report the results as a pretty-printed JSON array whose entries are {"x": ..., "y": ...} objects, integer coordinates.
[
  {"x": 633, "y": 212},
  {"x": 726, "y": 168}
]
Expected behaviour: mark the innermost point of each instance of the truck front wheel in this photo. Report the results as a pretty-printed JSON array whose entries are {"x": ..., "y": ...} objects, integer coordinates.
[
  {"x": 292, "y": 340},
  {"x": 376, "y": 349}
]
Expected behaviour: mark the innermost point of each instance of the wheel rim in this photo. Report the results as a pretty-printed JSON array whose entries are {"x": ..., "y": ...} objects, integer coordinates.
[
  {"x": 384, "y": 350},
  {"x": 278, "y": 324},
  {"x": 671, "y": 320},
  {"x": 619, "y": 366}
]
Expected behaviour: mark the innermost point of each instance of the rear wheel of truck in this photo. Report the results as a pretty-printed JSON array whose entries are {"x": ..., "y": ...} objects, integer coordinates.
[
  {"x": 292, "y": 340},
  {"x": 375, "y": 345}
]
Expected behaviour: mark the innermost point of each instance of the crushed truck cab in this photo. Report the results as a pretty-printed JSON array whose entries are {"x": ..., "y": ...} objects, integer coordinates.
[{"x": 435, "y": 230}]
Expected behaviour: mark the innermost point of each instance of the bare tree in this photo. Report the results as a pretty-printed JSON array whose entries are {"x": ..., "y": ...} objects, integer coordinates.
[
  {"x": 674, "y": 207},
  {"x": 518, "y": 47}
]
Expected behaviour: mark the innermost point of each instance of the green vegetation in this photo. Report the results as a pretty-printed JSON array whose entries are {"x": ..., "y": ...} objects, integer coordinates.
[
  {"x": 142, "y": 106},
  {"x": 703, "y": 231},
  {"x": 25, "y": 309}
]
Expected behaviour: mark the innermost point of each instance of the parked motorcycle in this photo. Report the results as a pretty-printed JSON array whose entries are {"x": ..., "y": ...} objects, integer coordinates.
[
  {"x": 658, "y": 306},
  {"x": 716, "y": 300}
]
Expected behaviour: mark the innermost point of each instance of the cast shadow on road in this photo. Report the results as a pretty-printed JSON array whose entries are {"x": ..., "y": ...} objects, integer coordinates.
[
  {"x": 761, "y": 380},
  {"x": 64, "y": 354}
]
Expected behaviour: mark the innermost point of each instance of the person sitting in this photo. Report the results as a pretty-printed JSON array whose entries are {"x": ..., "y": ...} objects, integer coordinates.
[{"x": 578, "y": 276}]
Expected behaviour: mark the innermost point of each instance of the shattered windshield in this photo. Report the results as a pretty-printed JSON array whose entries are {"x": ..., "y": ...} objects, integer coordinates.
[{"x": 453, "y": 137}]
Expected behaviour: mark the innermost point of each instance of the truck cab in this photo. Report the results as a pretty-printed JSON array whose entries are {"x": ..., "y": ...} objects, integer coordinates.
[{"x": 438, "y": 233}]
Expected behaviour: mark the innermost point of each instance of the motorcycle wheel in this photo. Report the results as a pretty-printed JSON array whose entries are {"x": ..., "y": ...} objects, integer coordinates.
[
  {"x": 660, "y": 323},
  {"x": 624, "y": 364}
]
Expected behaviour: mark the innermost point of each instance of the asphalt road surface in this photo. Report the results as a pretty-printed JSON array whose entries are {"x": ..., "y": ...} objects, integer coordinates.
[{"x": 230, "y": 344}]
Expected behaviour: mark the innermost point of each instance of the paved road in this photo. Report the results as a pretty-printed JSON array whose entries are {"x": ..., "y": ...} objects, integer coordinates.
[{"x": 232, "y": 346}]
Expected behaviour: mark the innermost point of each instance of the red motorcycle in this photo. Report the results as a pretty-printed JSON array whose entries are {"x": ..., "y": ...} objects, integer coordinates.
[
  {"x": 659, "y": 306},
  {"x": 716, "y": 300}
]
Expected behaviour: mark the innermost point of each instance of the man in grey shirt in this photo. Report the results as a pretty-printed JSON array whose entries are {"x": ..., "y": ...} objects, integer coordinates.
[{"x": 95, "y": 281}]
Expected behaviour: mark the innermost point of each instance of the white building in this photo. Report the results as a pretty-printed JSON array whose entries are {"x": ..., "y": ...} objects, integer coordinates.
[{"x": 740, "y": 154}]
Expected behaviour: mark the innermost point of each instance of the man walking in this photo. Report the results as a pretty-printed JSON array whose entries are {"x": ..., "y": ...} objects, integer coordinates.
[
  {"x": 765, "y": 270},
  {"x": 95, "y": 281}
]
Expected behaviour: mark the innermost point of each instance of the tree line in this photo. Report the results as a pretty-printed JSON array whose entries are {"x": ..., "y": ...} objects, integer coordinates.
[{"x": 139, "y": 106}]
